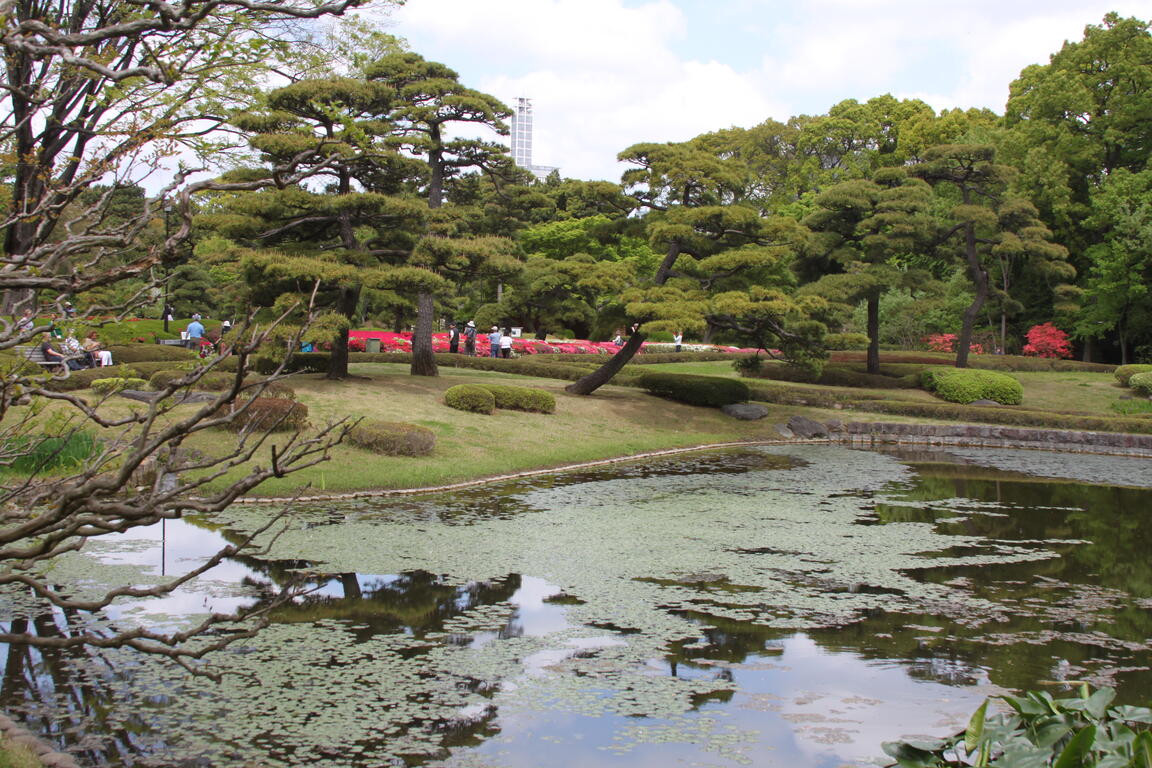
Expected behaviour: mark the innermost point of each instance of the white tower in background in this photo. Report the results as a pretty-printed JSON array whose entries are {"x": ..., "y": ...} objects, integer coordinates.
[{"x": 522, "y": 139}]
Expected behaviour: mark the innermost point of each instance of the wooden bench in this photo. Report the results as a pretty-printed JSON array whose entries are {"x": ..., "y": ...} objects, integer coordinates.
[{"x": 36, "y": 355}]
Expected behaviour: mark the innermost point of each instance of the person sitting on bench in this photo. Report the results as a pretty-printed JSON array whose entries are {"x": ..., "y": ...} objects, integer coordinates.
[{"x": 53, "y": 355}]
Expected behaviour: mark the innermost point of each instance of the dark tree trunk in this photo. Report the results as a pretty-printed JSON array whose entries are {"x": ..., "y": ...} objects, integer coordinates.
[
  {"x": 979, "y": 277},
  {"x": 338, "y": 363},
  {"x": 423, "y": 359},
  {"x": 602, "y": 375},
  {"x": 874, "y": 332}
]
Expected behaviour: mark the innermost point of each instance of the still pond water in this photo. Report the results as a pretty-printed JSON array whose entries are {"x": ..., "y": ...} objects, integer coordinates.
[{"x": 778, "y": 606}]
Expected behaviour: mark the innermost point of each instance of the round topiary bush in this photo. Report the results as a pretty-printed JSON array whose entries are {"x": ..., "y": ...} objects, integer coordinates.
[
  {"x": 108, "y": 386},
  {"x": 470, "y": 397},
  {"x": 713, "y": 391},
  {"x": 392, "y": 438},
  {"x": 1141, "y": 383},
  {"x": 965, "y": 385},
  {"x": 521, "y": 398},
  {"x": 269, "y": 413},
  {"x": 1124, "y": 373}
]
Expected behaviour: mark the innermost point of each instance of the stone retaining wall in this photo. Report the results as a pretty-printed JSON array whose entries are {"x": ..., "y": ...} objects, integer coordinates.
[{"x": 869, "y": 433}]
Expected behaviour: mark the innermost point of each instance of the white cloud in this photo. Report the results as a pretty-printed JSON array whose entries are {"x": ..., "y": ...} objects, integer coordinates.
[{"x": 605, "y": 74}]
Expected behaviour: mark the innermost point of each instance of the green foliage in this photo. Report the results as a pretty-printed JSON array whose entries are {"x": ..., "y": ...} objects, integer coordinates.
[
  {"x": 713, "y": 391},
  {"x": 139, "y": 353},
  {"x": 211, "y": 382},
  {"x": 1124, "y": 373},
  {"x": 964, "y": 385},
  {"x": 1081, "y": 732},
  {"x": 269, "y": 413},
  {"x": 846, "y": 341},
  {"x": 470, "y": 397},
  {"x": 1141, "y": 383},
  {"x": 1132, "y": 407},
  {"x": 301, "y": 362},
  {"x": 522, "y": 398},
  {"x": 391, "y": 438},
  {"x": 749, "y": 365},
  {"x": 108, "y": 386},
  {"x": 45, "y": 453},
  {"x": 83, "y": 379}
]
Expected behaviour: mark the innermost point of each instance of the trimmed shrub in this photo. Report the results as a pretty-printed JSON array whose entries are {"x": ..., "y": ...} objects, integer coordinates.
[
  {"x": 713, "y": 391},
  {"x": 107, "y": 386},
  {"x": 1125, "y": 373},
  {"x": 143, "y": 353},
  {"x": 83, "y": 379},
  {"x": 1142, "y": 383},
  {"x": 521, "y": 398},
  {"x": 301, "y": 362},
  {"x": 392, "y": 438},
  {"x": 470, "y": 397},
  {"x": 269, "y": 413},
  {"x": 964, "y": 385},
  {"x": 211, "y": 382}
]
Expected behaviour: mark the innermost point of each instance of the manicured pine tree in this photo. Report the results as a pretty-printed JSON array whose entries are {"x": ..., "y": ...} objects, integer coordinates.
[
  {"x": 430, "y": 106},
  {"x": 862, "y": 228},
  {"x": 352, "y": 226},
  {"x": 982, "y": 223}
]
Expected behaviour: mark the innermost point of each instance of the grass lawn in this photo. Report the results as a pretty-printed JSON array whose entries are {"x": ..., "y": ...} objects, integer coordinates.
[{"x": 616, "y": 421}]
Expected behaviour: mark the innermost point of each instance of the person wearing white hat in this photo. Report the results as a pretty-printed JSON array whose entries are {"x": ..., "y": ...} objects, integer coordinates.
[{"x": 470, "y": 339}]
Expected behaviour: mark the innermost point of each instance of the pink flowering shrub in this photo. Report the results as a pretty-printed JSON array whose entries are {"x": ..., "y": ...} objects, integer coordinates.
[
  {"x": 1047, "y": 340},
  {"x": 946, "y": 342}
]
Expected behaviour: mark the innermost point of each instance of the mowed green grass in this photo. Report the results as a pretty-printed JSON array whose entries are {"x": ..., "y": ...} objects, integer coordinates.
[{"x": 614, "y": 422}]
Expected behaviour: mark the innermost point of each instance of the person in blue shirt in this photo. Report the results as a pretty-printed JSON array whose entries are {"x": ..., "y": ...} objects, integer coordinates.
[{"x": 195, "y": 332}]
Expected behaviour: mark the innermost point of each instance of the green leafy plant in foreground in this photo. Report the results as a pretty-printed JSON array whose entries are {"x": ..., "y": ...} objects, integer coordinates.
[{"x": 1041, "y": 731}]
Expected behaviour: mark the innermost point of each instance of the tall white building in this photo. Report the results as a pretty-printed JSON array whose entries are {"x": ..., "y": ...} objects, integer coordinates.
[{"x": 522, "y": 139}]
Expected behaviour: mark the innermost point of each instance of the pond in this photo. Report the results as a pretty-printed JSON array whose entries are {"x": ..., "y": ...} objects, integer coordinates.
[{"x": 786, "y": 605}]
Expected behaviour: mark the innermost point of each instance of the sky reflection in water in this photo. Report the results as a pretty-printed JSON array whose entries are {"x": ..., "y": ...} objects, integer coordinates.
[{"x": 819, "y": 697}]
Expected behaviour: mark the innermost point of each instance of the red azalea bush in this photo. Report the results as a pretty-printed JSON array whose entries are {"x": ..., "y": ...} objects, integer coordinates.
[
  {"x": 1047, "y": 341},
  {"x": 946, "y": 342}
]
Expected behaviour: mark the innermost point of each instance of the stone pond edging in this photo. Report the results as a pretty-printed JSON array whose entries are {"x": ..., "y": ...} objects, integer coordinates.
[
  {"x": 989, "y": 435},
  {"x": 45, "y": 752}
]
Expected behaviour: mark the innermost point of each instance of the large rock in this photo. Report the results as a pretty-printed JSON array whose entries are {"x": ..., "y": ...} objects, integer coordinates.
[
  {"x": 805, "y": 428},
  {"x": 745, "y": 411}
]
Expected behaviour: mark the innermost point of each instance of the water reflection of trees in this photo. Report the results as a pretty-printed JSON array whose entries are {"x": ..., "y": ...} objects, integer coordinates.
[{"x": 62, "y": 693}]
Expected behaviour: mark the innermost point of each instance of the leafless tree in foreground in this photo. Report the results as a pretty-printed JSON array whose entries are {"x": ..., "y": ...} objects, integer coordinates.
[{"x": 95, "y": 95}]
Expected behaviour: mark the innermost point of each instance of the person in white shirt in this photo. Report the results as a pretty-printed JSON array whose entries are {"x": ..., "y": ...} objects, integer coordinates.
[{"x": 505, "y": 344}]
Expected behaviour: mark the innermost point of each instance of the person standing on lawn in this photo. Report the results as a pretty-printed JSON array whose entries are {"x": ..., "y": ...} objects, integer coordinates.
[
  {"x": 195, "y": 331},
  {"x": 470, "y": 339},
  {"x": 494, "y": 342}
]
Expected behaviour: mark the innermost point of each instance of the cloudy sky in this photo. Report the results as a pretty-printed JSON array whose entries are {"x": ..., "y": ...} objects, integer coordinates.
[{"x": 605, "y": 74}]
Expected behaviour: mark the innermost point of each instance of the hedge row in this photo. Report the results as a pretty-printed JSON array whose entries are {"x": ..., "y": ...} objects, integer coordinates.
[
  {"x": 964, "y": 385},
  {"x": 844, "y": 375},
  {"x": 714, "y": 391},
  {"x": 985, "y": 362},
  {"x": 83, "y": 379}
]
